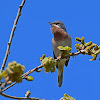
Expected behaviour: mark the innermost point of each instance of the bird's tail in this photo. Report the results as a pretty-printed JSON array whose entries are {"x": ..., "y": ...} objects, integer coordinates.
[
  {"x": 60, "y": 79},
  {"x": 60, "y": 75}
]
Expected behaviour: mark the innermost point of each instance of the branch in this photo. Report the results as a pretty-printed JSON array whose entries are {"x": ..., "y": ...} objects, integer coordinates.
[
  {"x": 36, "y": 68},
  {"x": 19, "y": 98},
  {"x": 11, "y": 36},
  {"x": 8, "y": 86},
  {"x": 23, "y": 76},
  {"x": 30, "y": 71},
  {"x": 5, "y": 83},
  {"x": 79, "y": 52},
  {"x": 72, "y": 54}
]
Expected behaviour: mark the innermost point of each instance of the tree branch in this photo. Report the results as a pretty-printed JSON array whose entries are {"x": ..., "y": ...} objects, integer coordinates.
[
  {"x": 36, "y": 68},
  {"x": 79, "y": 52},
  {"x": 40, "y": 66},
  {"x": 30, "y": 71},
  {"x": 23, "y": 76},
  {"x": 8, "y": 87},
  {"x": 12, "y": 34},
  {"x": 72, "y": 54},
  {"x": 19, "y": 98}
]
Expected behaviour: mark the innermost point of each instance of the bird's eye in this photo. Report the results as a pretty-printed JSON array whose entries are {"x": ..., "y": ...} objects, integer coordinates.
[{"x": 57, "y": 23}]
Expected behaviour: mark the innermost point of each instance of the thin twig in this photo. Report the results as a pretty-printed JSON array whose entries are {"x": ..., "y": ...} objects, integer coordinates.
[
  {"x": 5, "y": 83},
  {"x": 19, "y": 98},
  {"x": 72, "y": 54},
  {"x": 78, "y": 52},
  {"x": 23, "y": 76},
  {"x": 30, "y": 71},
  {"x": 12, "y": 34},
  {"x": 8, "y": 87}
]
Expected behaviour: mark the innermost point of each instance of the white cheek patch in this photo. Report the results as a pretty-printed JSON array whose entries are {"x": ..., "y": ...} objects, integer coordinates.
[{"x": 57, "y": 26}]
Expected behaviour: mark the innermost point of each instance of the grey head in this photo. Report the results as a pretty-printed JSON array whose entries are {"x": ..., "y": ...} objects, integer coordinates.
[{"x": 58, "y": 24}]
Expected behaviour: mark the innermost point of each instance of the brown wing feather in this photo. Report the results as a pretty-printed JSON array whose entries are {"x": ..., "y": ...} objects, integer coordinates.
[
  {"x": 66, "y": 63},
  {"x": 54, "y": 55}
]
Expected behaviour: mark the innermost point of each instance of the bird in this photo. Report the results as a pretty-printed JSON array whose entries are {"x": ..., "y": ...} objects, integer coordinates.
[{"x": 60, "y": 38}]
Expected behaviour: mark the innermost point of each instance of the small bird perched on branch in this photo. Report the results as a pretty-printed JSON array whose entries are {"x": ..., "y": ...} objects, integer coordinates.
[{"x": 61, "y": 38}]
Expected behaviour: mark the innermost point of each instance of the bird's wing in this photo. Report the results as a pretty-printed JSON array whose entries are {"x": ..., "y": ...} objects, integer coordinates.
[
  {"x": 66, "y": 63},
  {"x": 54, "y": 55},
  {"x": 55, "y": 58}
]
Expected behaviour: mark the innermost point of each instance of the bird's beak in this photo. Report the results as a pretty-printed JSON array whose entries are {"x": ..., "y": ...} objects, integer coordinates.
[{"x": 50, "y": 23}]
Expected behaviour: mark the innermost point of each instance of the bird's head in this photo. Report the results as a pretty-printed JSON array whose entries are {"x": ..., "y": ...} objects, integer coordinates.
[{"x": 58, "y": 24}]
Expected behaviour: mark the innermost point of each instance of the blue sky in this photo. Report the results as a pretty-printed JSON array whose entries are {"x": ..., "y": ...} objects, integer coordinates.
[{"x": 32, "y": 38}]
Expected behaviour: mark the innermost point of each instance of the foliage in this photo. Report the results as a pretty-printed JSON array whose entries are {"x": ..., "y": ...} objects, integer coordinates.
[
  {"x": 89, "y": 48},
  {"x": 49, "y": 63},
  {"x": 13, "y": 71},
  {"x": 65, "y": 50},
  {"x": 67, "y": 97},
  {"x": 28, "y": 93},
  {"x": 29, "y": 78}
]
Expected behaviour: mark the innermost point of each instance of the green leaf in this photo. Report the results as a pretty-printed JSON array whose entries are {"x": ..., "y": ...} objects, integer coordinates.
[
  {"x": 4, "y": 74},
  {"x": 49, "y": 64},
  {"x": 67, "y": 97},
  {"x": 77, "y": 39},
  {"x": 88, "y": 43},
  {"x": 29, "y": 78},
  {"x": 14, "y": 71},
  {"x": 82, "y": 40},
  {"x": 66, "y": 48},
  {"x": 97, "y": 52},
  {"x": 28, "y": 93},
  {"x": 94, "y": 57},
  {"x": 43, "y": 56}
]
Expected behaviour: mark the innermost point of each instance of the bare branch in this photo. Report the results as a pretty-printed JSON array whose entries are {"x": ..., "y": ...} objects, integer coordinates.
[
  {"x": 19, "y": 98},
  {"x": 12, "y": 34},
  {"x": 72, "y": 54},
  {"x": 8, "y": 86},
  {"x": 79, "y": 52},
  {"x": 5, "y": 83},
  {"x": 30, "y": 71}
]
